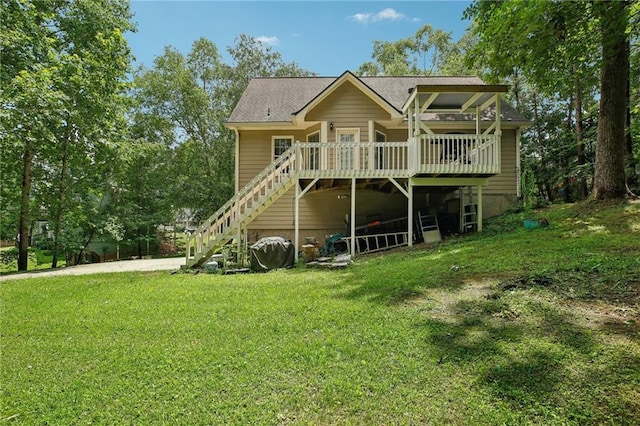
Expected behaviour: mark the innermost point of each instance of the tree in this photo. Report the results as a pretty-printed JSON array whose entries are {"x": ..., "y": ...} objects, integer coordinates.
[
  {"x": 585, "y": 46},
  {"x": 192, "y": 96},
  {"x": 609, "y": 180},
  {"x": 64, "y": 66},
  {"x": 143, "y": 192},
  {"x": 182, "y": 94},
  {"x": 427, "y": 52},
  {"x": 550, "y": 48},
  {"x": 633, "y": 136}
]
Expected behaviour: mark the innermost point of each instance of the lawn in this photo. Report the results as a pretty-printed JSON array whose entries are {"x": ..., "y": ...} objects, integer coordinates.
[{"x": 513, "y": 326}]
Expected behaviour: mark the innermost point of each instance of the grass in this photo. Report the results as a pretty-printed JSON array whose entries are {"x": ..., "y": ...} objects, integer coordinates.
[{"x": 513, "y": 326}]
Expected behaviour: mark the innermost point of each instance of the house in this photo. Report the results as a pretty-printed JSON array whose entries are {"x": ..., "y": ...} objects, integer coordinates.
[{"x": 318, "y": 156}]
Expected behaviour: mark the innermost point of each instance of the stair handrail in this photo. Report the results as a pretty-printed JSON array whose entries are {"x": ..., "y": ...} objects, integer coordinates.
[{"x": 285, "y": 161}]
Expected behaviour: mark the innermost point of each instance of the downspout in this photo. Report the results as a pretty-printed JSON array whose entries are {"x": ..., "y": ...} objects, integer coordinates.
[{"x": 237, "y": 160}]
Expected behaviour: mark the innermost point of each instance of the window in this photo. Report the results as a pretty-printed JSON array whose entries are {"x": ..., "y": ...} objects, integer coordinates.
[
  {"x": 280, "y": 145},
  {"x": 313, "y": 154}
]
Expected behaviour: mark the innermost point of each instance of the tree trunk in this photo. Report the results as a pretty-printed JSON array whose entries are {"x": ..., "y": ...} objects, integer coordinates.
[
  {"x": 582, "y": 182},
  {"x": 632, "y": 177},
  {"x": 564, "y": 159},
  {"x": 609, "y": 179},
  {"x": 23, "y": 227},
  {"x": 57, "y": 225},
  {"x": 139, "y": 243}
]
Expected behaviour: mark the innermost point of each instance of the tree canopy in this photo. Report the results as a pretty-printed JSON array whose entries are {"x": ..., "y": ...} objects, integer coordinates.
[{"x": 63, "y": 72}]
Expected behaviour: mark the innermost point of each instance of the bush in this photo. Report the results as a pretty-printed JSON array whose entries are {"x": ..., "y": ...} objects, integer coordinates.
[
  {"x": 9, "y": 259},
  {"x": 9, "y": 255}
]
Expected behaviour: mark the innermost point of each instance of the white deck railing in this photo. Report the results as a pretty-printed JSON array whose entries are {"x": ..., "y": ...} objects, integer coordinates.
[
  {"x": 457, "y": 154},
  {"x": 335, "y": 160},
  {"x": 425, "y": 154}
]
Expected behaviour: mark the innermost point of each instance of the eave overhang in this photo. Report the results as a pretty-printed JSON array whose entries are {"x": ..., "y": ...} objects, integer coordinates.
[{"x": 271, "y": 125}]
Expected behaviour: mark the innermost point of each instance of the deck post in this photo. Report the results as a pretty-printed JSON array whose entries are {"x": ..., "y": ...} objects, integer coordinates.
[
  {"x": 410, "y": 214},
  {"x": 479, "y": 210},
  {"x": 239, "y": 243},
  {"x": 410, "y": 123},
  {"x": 296, "y": 219},
  {"x": 518, "y": 164},
  {"x": 416, "y": 111},
  {"x": 498, "y": 132},
  {"x": 245, "y": 246},
  {"x": 353, "y": 216},
  {"x": 372, "y": 139}
]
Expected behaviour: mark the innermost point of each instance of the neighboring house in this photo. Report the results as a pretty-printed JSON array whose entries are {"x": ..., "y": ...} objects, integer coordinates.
[{"x": 316, "y": 156}]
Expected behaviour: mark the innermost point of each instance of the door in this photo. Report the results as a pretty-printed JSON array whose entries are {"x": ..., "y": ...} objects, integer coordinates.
[
  {"x": 313, "y": 154},
  {"x": 347, "y": 160}
]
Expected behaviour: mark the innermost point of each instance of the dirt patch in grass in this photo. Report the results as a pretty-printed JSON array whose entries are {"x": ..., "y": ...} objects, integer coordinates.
[
  {"x": 620, "y": 320},
  {"x": 476, "y": 298},
  {"x": 616, "y": 312}
]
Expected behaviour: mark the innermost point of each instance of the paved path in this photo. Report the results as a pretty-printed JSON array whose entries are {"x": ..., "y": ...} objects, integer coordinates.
[{"x": 168, "y": 264}]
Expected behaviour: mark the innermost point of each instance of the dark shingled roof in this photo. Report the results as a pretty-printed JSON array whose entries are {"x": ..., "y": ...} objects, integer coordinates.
[{"x": 272, "y": 100}]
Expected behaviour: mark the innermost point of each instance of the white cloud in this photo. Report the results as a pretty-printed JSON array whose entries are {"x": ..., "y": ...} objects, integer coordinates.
[
  {"x": 268, "y": 40},
  {"x": 361, "y": 17},
  {"x": 387, "y": 14}
]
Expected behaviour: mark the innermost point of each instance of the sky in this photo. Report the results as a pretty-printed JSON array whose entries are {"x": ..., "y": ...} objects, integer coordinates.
[{"x": 325, "y": 37}]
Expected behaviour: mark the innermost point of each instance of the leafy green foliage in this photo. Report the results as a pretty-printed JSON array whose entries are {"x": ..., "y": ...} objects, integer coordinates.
[
  {"x": 553, "y": 51},
  {"x": 429, "y": 51},
  {"x": 183, "y": 103},
  {"x": 64, "y": 67},
  {"x": 38, "y": 259},
  {"x": 143, "y": 198}
]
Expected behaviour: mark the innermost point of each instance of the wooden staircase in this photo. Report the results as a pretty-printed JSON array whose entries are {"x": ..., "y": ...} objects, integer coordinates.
[{"x": 255, "y": 197}]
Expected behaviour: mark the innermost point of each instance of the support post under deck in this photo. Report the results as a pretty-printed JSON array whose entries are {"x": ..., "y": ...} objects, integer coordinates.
[
  {"x": 353, "y": 216},
  {"x": 479, "y": 212},
  {"x": 410, "y": 214},
  {"x": 296, "y": 220}
]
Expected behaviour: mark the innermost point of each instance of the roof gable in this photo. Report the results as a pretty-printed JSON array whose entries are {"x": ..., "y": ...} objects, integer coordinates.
[{"x": 347, "y": 76}]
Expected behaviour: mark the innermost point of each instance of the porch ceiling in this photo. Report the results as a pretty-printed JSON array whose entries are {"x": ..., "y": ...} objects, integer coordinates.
[{"x": 449, "y": 98}]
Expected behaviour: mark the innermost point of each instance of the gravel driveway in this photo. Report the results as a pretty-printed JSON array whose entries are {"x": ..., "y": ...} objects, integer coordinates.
[{"x": 142, "y": 265}]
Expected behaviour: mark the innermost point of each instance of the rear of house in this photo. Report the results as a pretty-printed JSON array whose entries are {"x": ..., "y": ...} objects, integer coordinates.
[{"x": 320, "y": 156}]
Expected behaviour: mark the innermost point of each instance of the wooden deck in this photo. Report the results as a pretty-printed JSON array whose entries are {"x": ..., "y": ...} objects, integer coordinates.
[{"x": 427, "y": 159}]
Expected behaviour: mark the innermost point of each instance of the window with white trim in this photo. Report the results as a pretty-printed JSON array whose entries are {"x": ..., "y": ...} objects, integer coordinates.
[{"x": 280, "y": 144}]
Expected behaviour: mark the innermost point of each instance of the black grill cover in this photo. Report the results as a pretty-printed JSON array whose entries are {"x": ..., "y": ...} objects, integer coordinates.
[{"x": 272, "y": 253}]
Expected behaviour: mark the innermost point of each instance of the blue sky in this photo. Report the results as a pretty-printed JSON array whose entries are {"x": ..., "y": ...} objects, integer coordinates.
[{"x": 326, "y": 37}]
